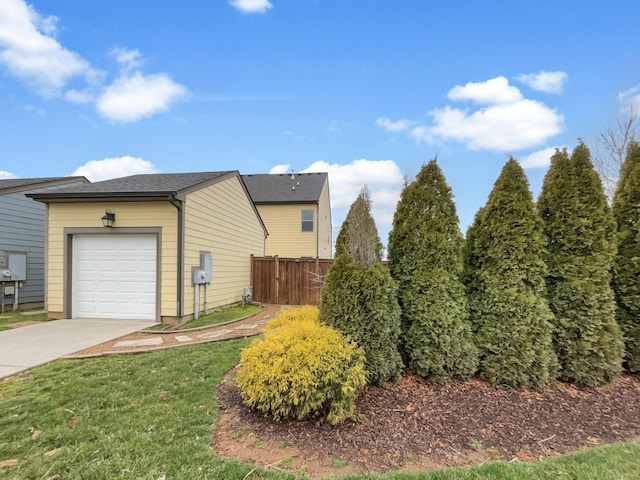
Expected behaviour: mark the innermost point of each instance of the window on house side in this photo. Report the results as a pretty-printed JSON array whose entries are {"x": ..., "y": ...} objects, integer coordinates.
[{"x": 307, "y": 220}]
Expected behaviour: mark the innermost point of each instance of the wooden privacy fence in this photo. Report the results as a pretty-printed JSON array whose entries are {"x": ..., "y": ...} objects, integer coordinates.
[{"x": 288, "y": 281}]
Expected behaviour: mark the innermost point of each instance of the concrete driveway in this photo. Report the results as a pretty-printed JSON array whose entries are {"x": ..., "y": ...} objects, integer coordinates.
[{"x": 27, "y": 347}]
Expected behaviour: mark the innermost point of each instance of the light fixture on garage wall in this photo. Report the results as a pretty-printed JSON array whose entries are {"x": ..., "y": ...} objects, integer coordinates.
[{"x": 109, "y": 218}]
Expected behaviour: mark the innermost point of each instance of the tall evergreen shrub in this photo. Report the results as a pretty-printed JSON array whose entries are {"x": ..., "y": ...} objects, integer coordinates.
[
  {"x": 626, "y": 271},
  {"x": 579, "y": 232},
  {"x": 359, "y": 297},
  {"x": 358, "y": 236},
  {"x": 425, "y": 259},
  {"x": 505, "y": 280}
]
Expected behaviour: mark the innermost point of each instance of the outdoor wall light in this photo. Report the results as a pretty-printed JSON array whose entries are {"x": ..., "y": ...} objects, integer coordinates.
[{"x": 109, "y": 218}]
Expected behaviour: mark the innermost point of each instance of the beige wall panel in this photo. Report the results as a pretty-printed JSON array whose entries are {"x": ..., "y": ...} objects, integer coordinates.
[
  {"x": 131, "y": 214},
  {"x": 286, "y": 238},
  {"x": 220, "y": 219},
  {"x": 325, "y": 233}
]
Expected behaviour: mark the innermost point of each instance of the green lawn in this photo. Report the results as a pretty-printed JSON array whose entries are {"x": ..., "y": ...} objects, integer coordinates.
[
  {"x": 9, "y": 318},
  {"x": 150, "y": 416},
  {"x": 234, "y": 312}
]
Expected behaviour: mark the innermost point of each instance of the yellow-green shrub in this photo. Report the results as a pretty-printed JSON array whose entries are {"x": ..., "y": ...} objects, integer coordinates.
[
  {"x": 301, "y": 367},
  {"x": 295, "y": 314}
]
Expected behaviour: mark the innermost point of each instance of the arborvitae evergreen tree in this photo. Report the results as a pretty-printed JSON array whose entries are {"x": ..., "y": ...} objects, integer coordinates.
[
  {"x": 504, "y": 274},
  {"x": 425, "y": 259},
  {"x": 360, "y": 298},
  {"x": 579, "y": 232},
  {"x": 341, "y": 239},
  {"x": 626, "y": 271},
  {"x": 358, "y": 236}
]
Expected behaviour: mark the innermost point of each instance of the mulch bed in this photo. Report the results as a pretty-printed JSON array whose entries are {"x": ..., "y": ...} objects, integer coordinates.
[{"x": 417, "y": 424}]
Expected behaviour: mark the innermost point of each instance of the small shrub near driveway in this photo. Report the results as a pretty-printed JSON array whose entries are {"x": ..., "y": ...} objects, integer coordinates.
[{"x": 302, "y": 367}]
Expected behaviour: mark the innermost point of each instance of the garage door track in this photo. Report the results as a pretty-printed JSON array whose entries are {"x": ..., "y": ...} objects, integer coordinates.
[{"x": 27, "y": 347}]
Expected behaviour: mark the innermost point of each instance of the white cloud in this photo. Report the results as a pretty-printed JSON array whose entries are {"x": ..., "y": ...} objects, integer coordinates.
[
  {"x": 251, "y": 6},
  {"x": 494, "y": 91},
  {"x": 505, "y": 121},
  {"x": 29, "y": 51},
  {"x": 391, "y": 126},
  {"x": 97, "y": 170},
  {"x": 385, "y": 182},
  {"x": 134, "y": 95},
  {"x": 132, "y": 98},
  {"x": 47, "y": 25},
  {"x": 285, "y": 168},
  {"x": 539, "y": 159},
  {"x": 508, "y": 127},
  {"x": 129, "y": 59},
  {"x": 5, "y": 175},
  {"x": 80, "y": 96},
  {"x": 630, "y": 99},
  {"x": 548, "y": 82}
]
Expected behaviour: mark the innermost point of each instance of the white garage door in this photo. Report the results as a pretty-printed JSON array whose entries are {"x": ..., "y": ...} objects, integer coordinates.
[{"x": 114, "y": 276}]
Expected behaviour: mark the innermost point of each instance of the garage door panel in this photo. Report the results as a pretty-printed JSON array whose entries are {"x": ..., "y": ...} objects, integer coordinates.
[{"x": 114, "y": 276}]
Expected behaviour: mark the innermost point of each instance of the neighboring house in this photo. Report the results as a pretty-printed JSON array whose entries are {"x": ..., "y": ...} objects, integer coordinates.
[
  {"x": 168, "y": 230},
  {"x": 296, "y": 210},
  {"x": 22, "y": 232}
]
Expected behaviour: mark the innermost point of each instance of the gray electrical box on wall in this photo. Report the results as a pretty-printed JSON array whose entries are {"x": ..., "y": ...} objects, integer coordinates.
[
  {"x": 199, "y": 277},
  {"x": 206, "y": 264},
  {"x": 17, "y": 265}
]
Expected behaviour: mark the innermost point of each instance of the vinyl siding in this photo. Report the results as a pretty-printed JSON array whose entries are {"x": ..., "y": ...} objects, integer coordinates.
[
  {"x": 284, "y": 224},
  {"x": 325, "y": 233},
  {"x": 221, "y": 219},
  {"x": 133, "y": 215},
  {"x": 22, "y": 229}
]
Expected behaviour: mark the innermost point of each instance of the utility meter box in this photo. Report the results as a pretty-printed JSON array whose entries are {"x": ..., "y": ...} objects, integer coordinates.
[
  {"x": 206, "y": 264},
  {"x": 199, "y": 277},
  {"x": 17, "y": 265}
]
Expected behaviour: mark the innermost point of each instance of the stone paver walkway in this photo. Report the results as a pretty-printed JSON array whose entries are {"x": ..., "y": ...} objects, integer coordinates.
[{"x": 145, "y": 341}]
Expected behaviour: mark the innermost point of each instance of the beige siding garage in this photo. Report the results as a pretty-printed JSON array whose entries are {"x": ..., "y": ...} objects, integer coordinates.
[
  {"x": 221, "y": 220},
  {"x": 68, "y": 219},
  {"x": 144, "y": 261}
]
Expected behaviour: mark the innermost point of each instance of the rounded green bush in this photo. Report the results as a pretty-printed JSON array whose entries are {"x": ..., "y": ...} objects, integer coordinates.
[{"x": 302, "y": 367}]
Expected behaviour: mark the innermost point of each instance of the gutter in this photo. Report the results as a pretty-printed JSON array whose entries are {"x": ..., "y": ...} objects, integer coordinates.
[{"x": 180, "y": 254}]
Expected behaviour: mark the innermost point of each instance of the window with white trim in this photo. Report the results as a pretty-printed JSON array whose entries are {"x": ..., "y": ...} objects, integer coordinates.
[{"x": 307, "y": 220}]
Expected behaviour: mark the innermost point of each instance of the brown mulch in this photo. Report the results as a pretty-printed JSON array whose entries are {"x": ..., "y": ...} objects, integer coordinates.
[{"x": 415, "y": 424}]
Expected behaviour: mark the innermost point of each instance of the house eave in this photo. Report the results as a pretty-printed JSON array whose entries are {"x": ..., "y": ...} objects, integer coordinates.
[{"x": 103, "y": 197}]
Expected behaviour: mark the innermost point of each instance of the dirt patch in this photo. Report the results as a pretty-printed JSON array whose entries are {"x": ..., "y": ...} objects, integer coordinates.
[
  {"x": 22, "y": 324},
  {"x": 415, "y": 425}
]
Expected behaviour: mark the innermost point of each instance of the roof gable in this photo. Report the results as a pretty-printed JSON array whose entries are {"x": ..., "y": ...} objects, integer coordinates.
[
  {"x": 13, "y": 185},
  {"x": 149, "y": 185},
  {"x": 285, "y": 187}
]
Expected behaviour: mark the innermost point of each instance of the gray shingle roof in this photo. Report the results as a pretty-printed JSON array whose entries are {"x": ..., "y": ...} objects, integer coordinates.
[
  {"x": 143, "y": 185},
  {"x": 16, "y": 184},
  {"x": 282, "y": 188}
]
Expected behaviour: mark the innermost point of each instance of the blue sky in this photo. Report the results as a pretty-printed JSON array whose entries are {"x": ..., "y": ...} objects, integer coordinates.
[{"x": 366, "y": 90}]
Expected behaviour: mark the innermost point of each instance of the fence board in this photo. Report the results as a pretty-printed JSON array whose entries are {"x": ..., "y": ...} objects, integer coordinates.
[{"x": 288, "y": 281}]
